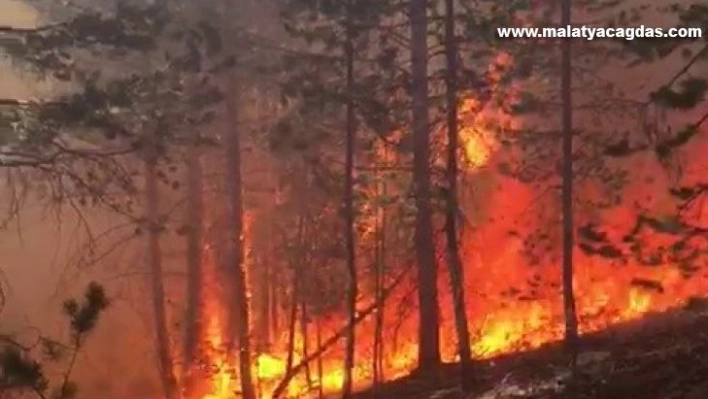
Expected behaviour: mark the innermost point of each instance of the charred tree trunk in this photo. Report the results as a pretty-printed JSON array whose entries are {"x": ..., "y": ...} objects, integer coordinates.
[
  {"x": 320, "y": 366},
  {"x": 304, "y": 316},
  {"x": 292, "y": 323},
  {"x": 265, "y": 330},
  {"x": 264, "y": 327},
  {"x": 268, "y": 283},
  {"x": 235, "y": 263},
  {"x": 162, "y": 340},
  {"x": 305, "y": 336},
  {"x": 429, "y": 334},
  {"x": 349, "y": 205},
  {"x": 379, "y": 274},
  {"x": 377, "y": 359},
  {"x": 571, "y": 320},
  {"x": 194, "y": 253},
  {"x": 297, "y": 291},
  {"x": 451, "y": 204},
  {"x": 274, "y": 302}
]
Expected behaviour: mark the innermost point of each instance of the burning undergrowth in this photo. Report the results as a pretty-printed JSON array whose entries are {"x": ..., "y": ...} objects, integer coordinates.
[{"x": 635, "y": 256}]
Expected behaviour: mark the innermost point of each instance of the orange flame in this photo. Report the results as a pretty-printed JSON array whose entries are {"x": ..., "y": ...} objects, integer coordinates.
[{"x": 500, "y": 323}]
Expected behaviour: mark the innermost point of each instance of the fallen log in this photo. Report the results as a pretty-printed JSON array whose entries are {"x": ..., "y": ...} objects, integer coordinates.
[{"x": 327, "y": 344}]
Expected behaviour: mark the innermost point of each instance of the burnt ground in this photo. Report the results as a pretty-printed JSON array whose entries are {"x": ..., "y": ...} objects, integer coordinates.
[{"x": 662, "y": 356}]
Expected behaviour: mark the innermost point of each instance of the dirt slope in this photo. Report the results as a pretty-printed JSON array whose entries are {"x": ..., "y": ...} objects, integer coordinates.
[{"x": 659, "y": 357}]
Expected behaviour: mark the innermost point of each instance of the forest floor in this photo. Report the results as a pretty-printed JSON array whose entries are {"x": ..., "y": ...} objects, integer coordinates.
[{"x": 662, "y": 356}]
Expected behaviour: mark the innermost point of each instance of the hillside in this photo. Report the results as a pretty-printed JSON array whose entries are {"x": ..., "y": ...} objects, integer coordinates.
[{"x": 661, "y": 356}]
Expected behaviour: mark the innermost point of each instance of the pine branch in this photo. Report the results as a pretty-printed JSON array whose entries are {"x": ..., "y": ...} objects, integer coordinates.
[
  {"x": 16, "y": 30},
  {"x": 692, "y": 61}
]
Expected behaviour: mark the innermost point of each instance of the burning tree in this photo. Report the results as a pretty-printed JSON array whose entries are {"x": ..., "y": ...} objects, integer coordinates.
[
  {"x": 524, "y": 152},
  {"x": 382, "y": 100},
  {"x": 267, "y": 262}
]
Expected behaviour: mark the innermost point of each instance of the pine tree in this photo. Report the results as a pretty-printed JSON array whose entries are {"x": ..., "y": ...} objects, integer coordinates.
[
  {"x": 22, "y": 373},
  {"x": 454, "y": 261},
  {"x": 115, "y": 114}
]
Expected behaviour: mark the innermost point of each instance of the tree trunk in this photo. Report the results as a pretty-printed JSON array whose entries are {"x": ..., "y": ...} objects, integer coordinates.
[
  {"x": 429, "y": 334},
  {"x": 194, "y": 254},
  {"x": 320, "y": 366},
  {"x": 378, "y": 360},
  {"x": 454, "y": 262},
  {"x": 162, "y": 340},
  {"x": 264, "y": 289},
  {"x": 304, "y": 333},
  {"x": 296, "y": 284},
  {"x": 292, "y": 323},
  {"x": 571, "y": 321},
  {"x": 235, "y": 263},
  {"x": 265, "y": 325},
  {"x": 274, "y": 303},
  {"x": 349, "y": 206}
]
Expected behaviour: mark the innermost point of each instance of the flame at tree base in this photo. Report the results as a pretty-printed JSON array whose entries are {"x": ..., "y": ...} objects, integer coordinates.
[
  {"x": 513, "y": 327},
  {"x": 512, "y": 306}
]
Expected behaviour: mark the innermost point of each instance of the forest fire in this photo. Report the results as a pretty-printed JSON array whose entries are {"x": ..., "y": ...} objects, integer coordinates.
[
  {"x": 507, "y": 326},
  {"x": 277, "y": 191},
  {"x": 513, "y": 305}
]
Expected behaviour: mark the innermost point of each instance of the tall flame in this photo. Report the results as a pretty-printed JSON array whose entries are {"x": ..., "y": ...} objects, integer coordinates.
[{"x": 494, "y": 266}]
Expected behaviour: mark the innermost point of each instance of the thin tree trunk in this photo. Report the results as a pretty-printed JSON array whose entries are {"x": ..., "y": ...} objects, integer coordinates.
[
  {"x": 274, "y": 303},
  {"x": 267, "y": 301},
  {"x": 349, "y": 206},
  {"x": 378, "y": 286},
  {"x": 451, "y": 204},
  {"x": 571, "y": 321},
  {"x": 235, "y": 264},
  {"x": 263, "y": 329},
  {"x": 162, "y": 340},
  {"x": 292, "y": 323},
  {"x": 428, "y": 329},
  {"x": 194, "y": 254},
  {"x": 297, "y": 291},
  {"x": 268, "y": 285},
  {"x": 320, "y": 366},
  {"x": 265, "y": 289},
  {"x": 376, "y": 359},
  {"x": 304, "y": 334},
  {"x": 304, "y": 278}
]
